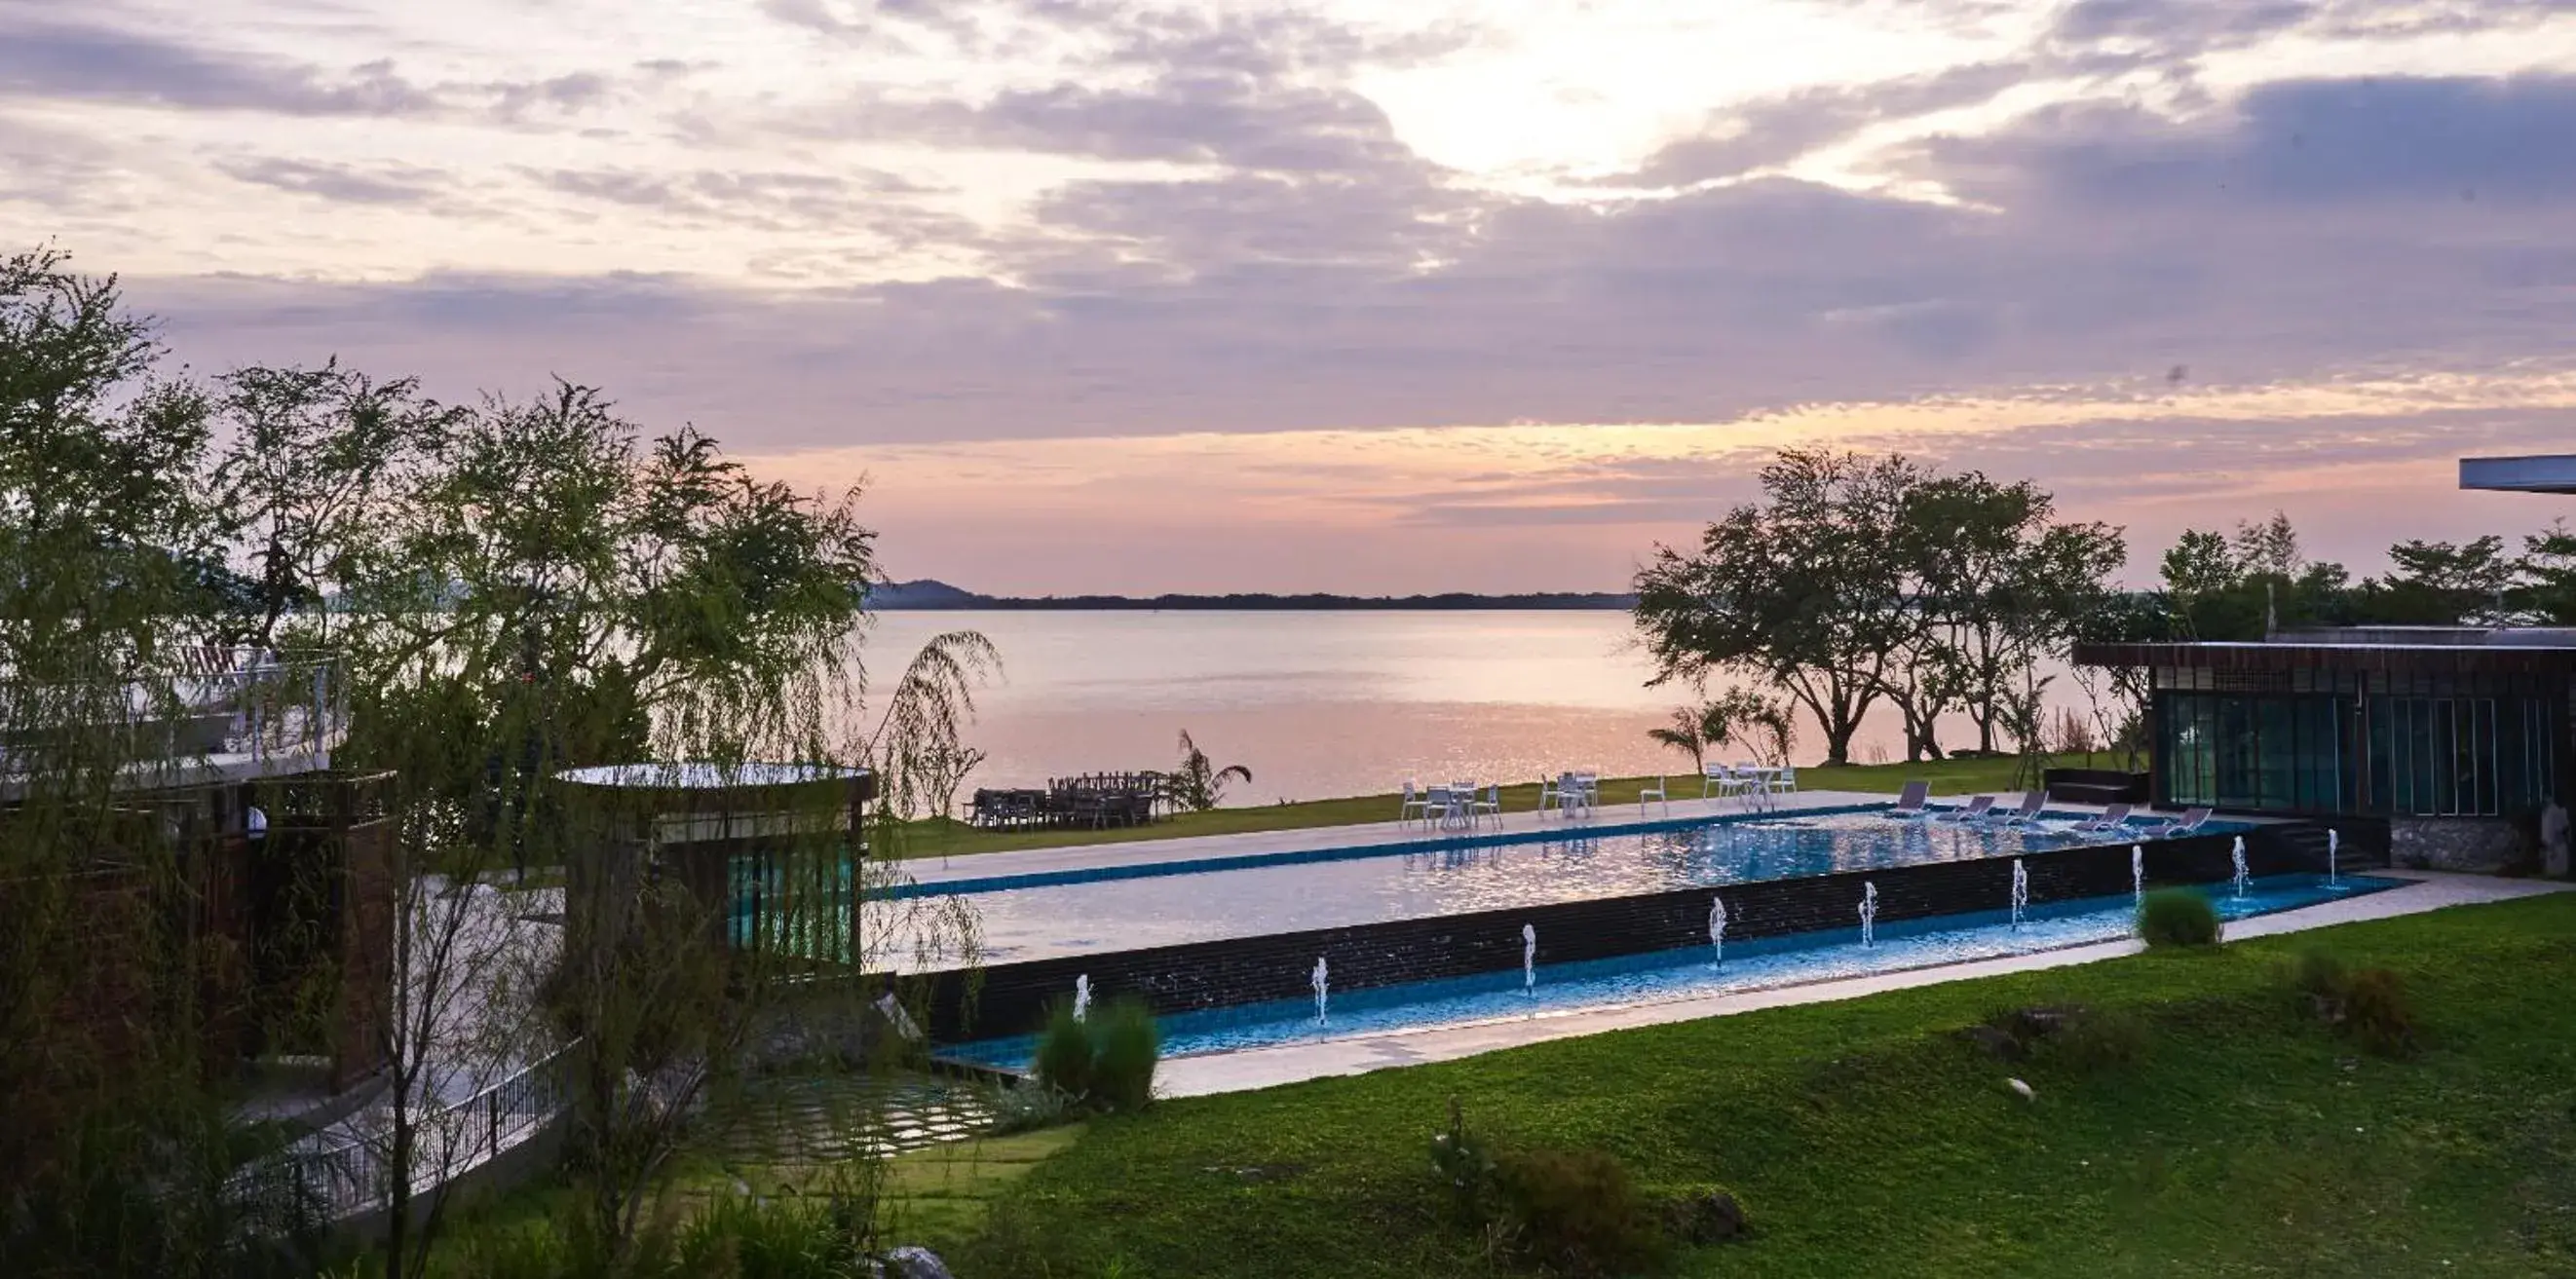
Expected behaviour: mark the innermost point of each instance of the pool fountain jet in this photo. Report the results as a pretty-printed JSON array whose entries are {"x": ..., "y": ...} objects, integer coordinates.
[
  {"x": 2236, "y": 859},
  {"x": 1082, "y": 996},
  {"x": 1716, "y": 931},
  {"x": 1529, "y": 958},
  {"x": 2138, "y": 874},
  {"x": 2020, "y": 892},
  {"x": 1868, "y": 914},
  {"x": 2333, "y": 843},
  {"x": 1322, "y": 983}
]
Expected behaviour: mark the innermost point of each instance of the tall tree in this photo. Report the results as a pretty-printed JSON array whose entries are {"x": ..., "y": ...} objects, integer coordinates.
[
  {"x": 2003, "y": 584},
  {"x": 1804, "y": 591}
]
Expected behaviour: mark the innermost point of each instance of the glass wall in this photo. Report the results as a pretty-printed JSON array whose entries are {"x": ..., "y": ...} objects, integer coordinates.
[
  {"x": 2253, "y": 751},
  {"x": 2459, "y": 756}
]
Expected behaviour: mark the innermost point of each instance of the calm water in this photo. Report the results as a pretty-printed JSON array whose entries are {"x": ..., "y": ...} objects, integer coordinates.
[
  {"x": 1315, "y": 704},
  {"x": 1682, "y": 974},
  {"x": 1303, "y": 891}
]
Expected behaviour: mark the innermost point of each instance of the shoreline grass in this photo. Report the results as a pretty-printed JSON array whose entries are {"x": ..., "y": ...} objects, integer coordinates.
[
  {"x": 1869, "y": 1137},
  {"x": 941, "y": 837}
]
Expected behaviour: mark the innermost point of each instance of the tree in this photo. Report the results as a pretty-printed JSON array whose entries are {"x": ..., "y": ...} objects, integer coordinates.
[
  {"x": 2241, "y": 587},
  {"x": 2545, "y": 587},
  {"x": 2443, "y": 584},
  {"x": 1687, "y": 734},
  {"x": 308, "y": 484},
  {"x": 1804, "y": 591},
  {"x": 1200, "y": 785},
  {"x": 2000, "y": 584}
]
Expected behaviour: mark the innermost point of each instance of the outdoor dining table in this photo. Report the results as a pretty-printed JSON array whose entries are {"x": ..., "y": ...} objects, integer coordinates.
[{"x": 1765, "y": 779}]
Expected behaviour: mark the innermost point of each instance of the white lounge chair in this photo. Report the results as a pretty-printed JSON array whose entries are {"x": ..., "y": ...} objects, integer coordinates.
[
  {"x": 1974, "y": 810},
  {"x": 1913, "y": 801},
  {"x": 2032, "y": 804},
  {"x": 1654, "y": 792},
  {"x": 2192, "y": 820},
  {"x": 2112, "y": 818}
]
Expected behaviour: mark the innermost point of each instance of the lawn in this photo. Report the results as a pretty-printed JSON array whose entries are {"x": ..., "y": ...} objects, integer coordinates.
[
  {"x": 943, "y": 838},
  {"x": 1867, "y": 1137}
]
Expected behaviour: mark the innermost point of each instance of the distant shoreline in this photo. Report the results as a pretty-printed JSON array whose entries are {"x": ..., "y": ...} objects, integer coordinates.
[{"x": 1263, "y": 603}]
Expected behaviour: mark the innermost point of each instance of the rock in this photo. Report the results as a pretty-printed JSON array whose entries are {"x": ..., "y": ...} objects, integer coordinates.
[
  {"x": 2022, "y": 1090},
  {"x": 912, "y": 1261},
  {"x": 1703, "y": 1214}
]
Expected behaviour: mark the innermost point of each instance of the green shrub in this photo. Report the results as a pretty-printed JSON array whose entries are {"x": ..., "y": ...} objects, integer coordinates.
[
  {"x": 1578, "y": 1212},
  {"x": 2378, "y": 1012},
  {"x": 1063, "y": 1061},
  {"x": 2319, "y": 974},
  {"x": 2177, "y": 917},
  {"x": 2369, "y": 1004},
  {"x": 1125, "y": 1049},
  {"x": 1106, "y": 1061}
]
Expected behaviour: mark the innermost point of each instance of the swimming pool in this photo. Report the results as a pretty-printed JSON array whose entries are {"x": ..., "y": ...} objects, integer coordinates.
[
  {"x": 1160, "y": 904},
  {"x": 1687, "y": 973}
]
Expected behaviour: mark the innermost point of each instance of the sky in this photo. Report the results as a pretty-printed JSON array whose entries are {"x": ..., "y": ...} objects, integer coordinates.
[{"x": 1102, "y": 295}]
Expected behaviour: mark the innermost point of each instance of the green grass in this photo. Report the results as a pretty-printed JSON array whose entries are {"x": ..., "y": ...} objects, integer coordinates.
[
  {"x": 1866, "y": 1138},
  {"x": 944, "y": 838}
]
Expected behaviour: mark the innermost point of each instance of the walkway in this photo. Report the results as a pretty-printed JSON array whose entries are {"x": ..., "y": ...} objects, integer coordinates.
[{"x": 1291, "y": 1063}]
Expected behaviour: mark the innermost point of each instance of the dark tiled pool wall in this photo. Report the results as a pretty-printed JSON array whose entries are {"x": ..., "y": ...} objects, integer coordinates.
[{"x": 1013, "y": 997}]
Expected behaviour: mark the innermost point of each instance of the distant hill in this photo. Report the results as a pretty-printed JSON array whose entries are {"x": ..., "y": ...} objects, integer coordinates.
[{"x": 927, "y": 594}]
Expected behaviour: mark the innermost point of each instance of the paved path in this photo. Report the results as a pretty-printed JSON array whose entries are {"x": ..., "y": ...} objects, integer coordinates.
[{"x": 1290, "y": 1063}]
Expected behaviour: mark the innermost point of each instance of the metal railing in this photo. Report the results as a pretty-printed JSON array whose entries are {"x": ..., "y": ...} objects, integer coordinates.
[
  {"x": 354, "y": 1175},
  {"x": 204, "y": 702}
]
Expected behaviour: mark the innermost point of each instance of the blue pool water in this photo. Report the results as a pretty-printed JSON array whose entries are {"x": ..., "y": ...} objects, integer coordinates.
[
  {"x": 1663, "y": 976},
  {"x": 1160, "y": 904}
]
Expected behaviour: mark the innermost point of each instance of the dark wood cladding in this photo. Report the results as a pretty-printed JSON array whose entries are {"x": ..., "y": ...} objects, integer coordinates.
[
  {"x": 1012, "y": 998},
  {"x": 2501, "y": 659}
]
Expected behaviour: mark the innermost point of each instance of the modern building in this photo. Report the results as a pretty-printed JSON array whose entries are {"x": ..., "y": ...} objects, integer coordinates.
[{"x": 2457, "y": 737}]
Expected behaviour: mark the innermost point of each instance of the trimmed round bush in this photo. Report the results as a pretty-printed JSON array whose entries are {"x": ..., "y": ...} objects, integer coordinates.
[{"x": 2177, "y": 917}]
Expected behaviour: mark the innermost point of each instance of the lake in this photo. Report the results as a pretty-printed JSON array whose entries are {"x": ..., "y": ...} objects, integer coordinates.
[{"x": 1316, "y": 704}]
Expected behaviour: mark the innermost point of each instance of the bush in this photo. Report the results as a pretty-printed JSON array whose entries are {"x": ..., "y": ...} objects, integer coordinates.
[
  {"x": 1107, "y": 1061},
  {"x": 1027, "y": 1105},
  {"x": 2177, "y": 917},
  {"x": 2378, "y": 1012},
  {"x": 1125, "y": 1049},
  {"x": 1064, "y": 1053},
  {"x": 1578, "y": 1211},
  {"x": 2370, "y": 1004},
  {"x": 1699, "y": 1214}
]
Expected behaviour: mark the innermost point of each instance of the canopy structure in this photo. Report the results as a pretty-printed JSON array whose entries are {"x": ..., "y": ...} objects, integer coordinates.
[{"x": 2541, "y": 473}]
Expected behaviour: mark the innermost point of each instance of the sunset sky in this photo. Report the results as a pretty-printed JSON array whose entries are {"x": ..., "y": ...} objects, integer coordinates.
[{"x": 1373, "y": 297}]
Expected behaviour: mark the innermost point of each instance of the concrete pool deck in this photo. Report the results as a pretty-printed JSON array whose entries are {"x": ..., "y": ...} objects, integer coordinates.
[
  {"x": 1684, "y": 807},
  {"x": 1291, "y": 1063}
]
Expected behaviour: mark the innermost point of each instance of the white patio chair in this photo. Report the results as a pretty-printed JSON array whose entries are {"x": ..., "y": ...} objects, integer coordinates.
[
  {"x": 1547, "y": 794},
  {"x": 1438, "y": 805},
  {"x": 1491, "y": 804},
  {"x": 1416, "y": 804},
  {"x": 1787, "y": 782},
  {"x": 1713, "y": 776},
  {"x": 1654, "y": 792}
]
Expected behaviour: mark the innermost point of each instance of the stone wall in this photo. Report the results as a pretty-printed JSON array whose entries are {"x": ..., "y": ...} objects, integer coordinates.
[{"x": 2479, "y": 844}]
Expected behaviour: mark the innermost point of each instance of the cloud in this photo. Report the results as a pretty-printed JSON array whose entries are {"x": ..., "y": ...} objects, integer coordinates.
[
  {"x": 2312, "y": 144},
  {"x": 345, "y": 183},
  {"x": 1774, "y": 131},
  {"x": 56, "y": 60}
]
